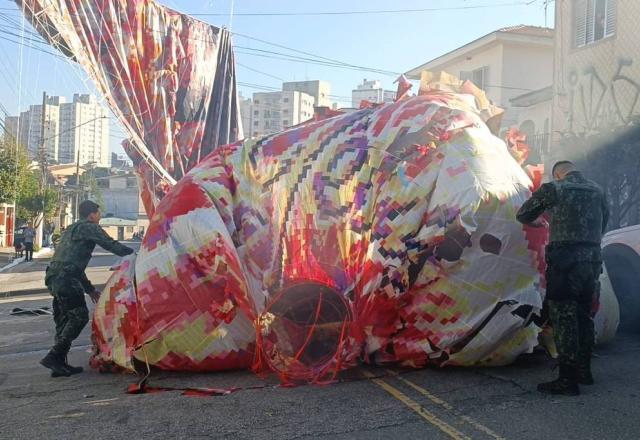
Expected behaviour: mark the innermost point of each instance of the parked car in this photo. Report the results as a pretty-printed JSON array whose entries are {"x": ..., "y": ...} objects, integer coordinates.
[{"x": 621, "y": 253}]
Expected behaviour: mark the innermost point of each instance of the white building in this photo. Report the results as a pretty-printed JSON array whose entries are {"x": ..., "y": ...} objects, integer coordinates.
[
  {"x": 81, "y": 125},
  {"x": 534, "y": 121},
  {"x": 246, "y": 115},
  {"x": 29, "y": 123},
  {"x": 84, "y": 128},
  {"x": 121, "y": 198},
  {"x": 371, "y": 91},
  {"x": 276, "y": 111},
  {"x": 506, "y": 63},
  {"x": 11, "y": 125},
  {"x": 320, "y": 90}
]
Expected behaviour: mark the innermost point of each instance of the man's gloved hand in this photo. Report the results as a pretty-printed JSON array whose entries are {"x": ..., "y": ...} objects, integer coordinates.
[{"x": 95, "y": 296}]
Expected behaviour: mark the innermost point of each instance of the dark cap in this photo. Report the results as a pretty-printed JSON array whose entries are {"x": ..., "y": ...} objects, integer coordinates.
[{"x": 87, "y": 208}]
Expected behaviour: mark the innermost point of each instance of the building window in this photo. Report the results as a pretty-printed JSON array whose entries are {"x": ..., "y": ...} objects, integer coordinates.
[
  {"x": 593, "y": 20},
  {"x": 255, "y": 123},
  {"x": 478, "y": 76},
  {"x": 256, "y": 101},
  {"x": 285, "y": 100},
  {"x": 256, "y": 112},
  {"x": 129, "y": 229}
]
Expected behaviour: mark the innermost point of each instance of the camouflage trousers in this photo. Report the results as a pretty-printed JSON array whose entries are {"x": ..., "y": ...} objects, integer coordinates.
[
  {"x": 571, "y": 313},
  {"x": 70, "y": 312}
]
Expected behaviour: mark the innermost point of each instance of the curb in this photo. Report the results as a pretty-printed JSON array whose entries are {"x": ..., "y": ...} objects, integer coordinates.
[
  {"x": 39, "y": 291},
  {"x": 21, "y": 259}
]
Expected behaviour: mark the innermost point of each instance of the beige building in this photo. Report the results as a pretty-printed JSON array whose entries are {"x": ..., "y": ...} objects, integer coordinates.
[
  {"x": 597, "y": 65},
  {"x": 320, "y": 90},
  {"x": 506, "y": 63},
  {"x": 119, "y": 228},
  {"x": 276, "y": 111},
  {"x": 121, "y": 199},
  {"x": 534, "y": 121}
]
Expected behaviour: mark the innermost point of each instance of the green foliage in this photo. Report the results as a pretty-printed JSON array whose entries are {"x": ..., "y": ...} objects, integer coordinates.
[
  {"x": 32, "y": 199},
  {"x": 89, "y": 184},
  {"x": 14, "y": 169},
  {"x": 89, "y": 181}
]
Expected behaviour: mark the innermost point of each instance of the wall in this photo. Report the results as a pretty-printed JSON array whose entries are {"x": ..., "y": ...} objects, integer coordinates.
[
  {"x": 121, "y": 199},
  {"x": 539, "y": 138},
  {"x": 128, "y": 232},
  {"x": 246, "y": 114},
  {"x": 525, "y": 68},
  {"x": 266, "y": 113},
  {"x": 276, "y": 111},
  {"x": 491, "y": 56},
  {"x": 596, "y": 85},
  {"x": 318, "y": 89}
]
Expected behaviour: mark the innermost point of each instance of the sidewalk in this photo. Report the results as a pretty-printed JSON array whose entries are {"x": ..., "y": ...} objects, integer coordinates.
[
  {"x": 7, "y": 260},
  {"x": 6, "y": 256}
]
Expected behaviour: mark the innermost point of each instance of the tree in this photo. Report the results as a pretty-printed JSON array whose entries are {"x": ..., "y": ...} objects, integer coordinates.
[
  {"x": 14, "y": 169},
  {"x": 32, "y": 199},
  {"x": 89, "y": 184},
  {"x": 611, "y": 157}
]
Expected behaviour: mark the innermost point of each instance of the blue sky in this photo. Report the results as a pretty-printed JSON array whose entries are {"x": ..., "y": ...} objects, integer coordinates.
[{"x": 392, "y": 42}]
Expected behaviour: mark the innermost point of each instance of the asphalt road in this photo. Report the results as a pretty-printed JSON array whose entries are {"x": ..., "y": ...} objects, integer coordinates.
[{"x": 370, "y": 402}]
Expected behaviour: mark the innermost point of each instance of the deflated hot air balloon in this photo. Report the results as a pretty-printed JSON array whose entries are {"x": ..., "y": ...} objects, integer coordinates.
[{"x": 384, "y": 235}]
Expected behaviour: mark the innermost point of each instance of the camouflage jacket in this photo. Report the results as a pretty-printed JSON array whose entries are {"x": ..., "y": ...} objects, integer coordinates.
[
  {"x": 74, "y": 250},
  {"x": 577, "y": 206}
]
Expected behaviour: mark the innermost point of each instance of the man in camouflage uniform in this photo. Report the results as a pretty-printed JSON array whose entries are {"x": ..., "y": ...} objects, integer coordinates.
[
  {"x": 67, "y": 283},
  {"x": 578, "y": 218}
]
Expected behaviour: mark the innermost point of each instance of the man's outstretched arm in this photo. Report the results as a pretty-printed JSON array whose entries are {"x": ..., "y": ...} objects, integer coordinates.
[
  {"x": 96, "y": 234},
  {"x": 541, "y": 200}
]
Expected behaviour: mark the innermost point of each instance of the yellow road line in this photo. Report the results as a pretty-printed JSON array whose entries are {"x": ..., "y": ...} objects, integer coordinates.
[
  {"x": 438, "y": 401},
  {"x": 417, "y": 408}
]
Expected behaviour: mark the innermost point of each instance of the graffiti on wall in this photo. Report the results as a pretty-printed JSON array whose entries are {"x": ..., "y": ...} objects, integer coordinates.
[{"x": 596, "y": 101}]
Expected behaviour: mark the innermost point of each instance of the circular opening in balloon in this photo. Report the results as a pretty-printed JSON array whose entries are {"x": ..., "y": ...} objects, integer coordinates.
[{"x": 303, "y": 330}]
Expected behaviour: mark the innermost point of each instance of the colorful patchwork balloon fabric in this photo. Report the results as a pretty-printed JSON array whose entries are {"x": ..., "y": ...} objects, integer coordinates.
[
  {"x": 383, "y": 235},
  {"x": 169, "y": 78}
]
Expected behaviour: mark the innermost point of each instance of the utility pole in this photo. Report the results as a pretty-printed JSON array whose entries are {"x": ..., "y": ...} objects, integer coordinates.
[
  {"x": 77, "y": 212},
  {"x": 42, "y": 158}
]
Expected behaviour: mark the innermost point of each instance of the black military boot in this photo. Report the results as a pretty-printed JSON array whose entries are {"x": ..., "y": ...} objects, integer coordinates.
[
  {"x": 566, "y": 384},
  {"x": 584, "y": 376},
  {"x": 72, "y": 370},
  {"x": 55, "y": 362}
]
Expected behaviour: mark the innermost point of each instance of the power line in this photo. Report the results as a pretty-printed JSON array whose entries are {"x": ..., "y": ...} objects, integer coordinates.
[
  {"x": 367, "y": 12},
  {"x": 317, "y": 63},
  {"x": 32, "y": 47},
  {"x": 74, "y": 127},
  {"x": 302, "y": 52},
  {"x": 260, "y": 72},
  {"x": 317, "y": 59}
]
